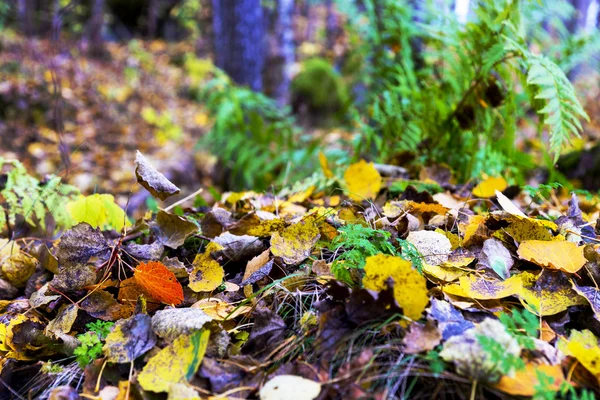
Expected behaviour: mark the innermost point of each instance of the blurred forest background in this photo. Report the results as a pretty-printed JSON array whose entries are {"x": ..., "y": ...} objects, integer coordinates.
[{"x": 245, "y": 93}]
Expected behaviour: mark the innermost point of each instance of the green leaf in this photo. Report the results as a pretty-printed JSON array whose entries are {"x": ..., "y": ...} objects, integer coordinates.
[{"x": 98, "y": 210}]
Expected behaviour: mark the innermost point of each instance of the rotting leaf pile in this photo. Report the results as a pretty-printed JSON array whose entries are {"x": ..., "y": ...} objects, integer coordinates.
[{"x": 258, "y": 291}]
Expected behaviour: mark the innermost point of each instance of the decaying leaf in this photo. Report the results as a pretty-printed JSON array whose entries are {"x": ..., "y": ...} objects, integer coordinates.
[
  {"x": 290, "y": 387},
  {"x": 450, "y": 320},
  {"x": 152, "y": 180},
  {"x": 175, "y": 364},
  {"x": 220, "y": 310},
  {"x": 129, "y": 339},
  {"x": 421, "y": 337},
  {"x": 410, "y": 288},
  {"x": 433, "y": 246},
  {"x": 471, "y": 359},
  {"x": 80, "y": 243},
  {"x": 583, "y": 346},
  {"x": 239, "y": 247},
  {"x": 363, "y": 181},
  {"x": 159, "y": 282},
  {"x": 61, "y": 325},
  {"x": 173, "y": 322},
  {"x": 564, "y": 256},
  {"x": 495, "y": 256},
  {"x": 206, "y": 274},
  {"x": 172, "y": 230},
  {"x": 295, "y": 243}
]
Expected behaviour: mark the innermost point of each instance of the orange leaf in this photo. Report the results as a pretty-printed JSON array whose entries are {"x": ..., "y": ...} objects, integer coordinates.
[
  {"x": 565, "y": 256},
  {"x": 159, "y": 282}
]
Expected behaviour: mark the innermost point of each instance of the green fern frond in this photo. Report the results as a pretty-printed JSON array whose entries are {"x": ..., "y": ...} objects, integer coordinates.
[{"x": 562, "y": 110}]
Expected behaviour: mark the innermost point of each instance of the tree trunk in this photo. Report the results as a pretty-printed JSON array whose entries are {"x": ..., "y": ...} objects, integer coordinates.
[
  {"x": 204, "y": 44},
  {"x": 152, "y": 18},
  {"x": 26, "y": 15},
  {"x": 96, "y": 43},
  {"x": 282, "y": 52},
  {"x": 239, "y": 35}
]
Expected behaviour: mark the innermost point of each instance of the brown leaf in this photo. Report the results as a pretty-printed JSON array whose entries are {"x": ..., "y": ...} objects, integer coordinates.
[
  {"x": 421, "y": 337},
  {"x": 152, "y": 180}
]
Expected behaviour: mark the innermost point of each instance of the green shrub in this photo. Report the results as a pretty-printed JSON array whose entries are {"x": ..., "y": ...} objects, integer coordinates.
[{"x": 321, "y": 88}]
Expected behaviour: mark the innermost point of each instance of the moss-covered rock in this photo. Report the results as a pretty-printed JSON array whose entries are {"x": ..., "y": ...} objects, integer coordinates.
[{"x": 319, "y": 90}]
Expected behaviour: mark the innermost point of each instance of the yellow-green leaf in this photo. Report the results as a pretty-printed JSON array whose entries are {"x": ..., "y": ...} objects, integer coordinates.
[
  {"x": 488, "y": 187},
  {"x": 295, "y": 243},
  {"x": 98, "y": 210},
  {"x": 206, "y": 274},
  {"x": 176, "y": 363}
]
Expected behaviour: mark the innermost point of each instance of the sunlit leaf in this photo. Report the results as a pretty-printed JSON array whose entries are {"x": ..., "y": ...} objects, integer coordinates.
[{"x": 159, "y": 282}]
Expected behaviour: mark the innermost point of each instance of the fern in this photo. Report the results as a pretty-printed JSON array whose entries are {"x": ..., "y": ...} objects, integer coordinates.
[
  {"x": 353, "y": 245},
  {"x": 25, "y": 196},
  {"x": 562, "y": 110}
]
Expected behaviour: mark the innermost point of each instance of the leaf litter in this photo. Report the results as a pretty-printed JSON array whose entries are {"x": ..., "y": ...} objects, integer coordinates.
[{"x": 308, "y": 296}]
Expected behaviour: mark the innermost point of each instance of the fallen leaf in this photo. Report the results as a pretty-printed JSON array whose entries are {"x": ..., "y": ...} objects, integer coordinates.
[
  {"x": 290, "y": 387},
  {"x": 487, "y": 188},
  {"x": 450, "y": 321},
  {"x": 220, "y": 310},
  {"x": 173, "y": 322},
  {"x": 295, "y": 243},
  {"x": 526, "y": 382},
  {"x": 63, "y": 322},
  {"x": 495, "y": 256},
  {"x": 471, "y": 359},
  {"x": 509, "y": 206},
  {"x": 433, "y": 246},
  {"x": 172, "y": 230},
  {"x": 80, "y": 243},
  {"x": 548, "y": 293},
  {"x": 325, "y": 165},
  {"x": 564, "y": 256},
  {"x": 206, "y": 274},
  {"x": 583, "y": 346},
  {"x": 152, "y": 180},
  {"x": 363, "y": 181},
  {"x": 159, "y": 282},
  {"x": 237, "y": 248},
  {"x": 410, "y": 288},
  {"x": 176, "y": 363},
  {"x": 421, "y": 337},
  {"x": 129, "y": 339}
]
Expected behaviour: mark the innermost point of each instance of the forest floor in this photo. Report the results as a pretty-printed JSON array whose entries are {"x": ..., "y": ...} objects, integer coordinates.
[{"x": 357, "y": 284}]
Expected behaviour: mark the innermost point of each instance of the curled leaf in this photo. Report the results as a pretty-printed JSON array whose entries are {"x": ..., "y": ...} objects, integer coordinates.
[{"x": 152, "y": 180}]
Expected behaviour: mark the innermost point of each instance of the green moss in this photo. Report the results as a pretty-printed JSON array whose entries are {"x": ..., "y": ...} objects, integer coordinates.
[{"x": 320, "y": 87}]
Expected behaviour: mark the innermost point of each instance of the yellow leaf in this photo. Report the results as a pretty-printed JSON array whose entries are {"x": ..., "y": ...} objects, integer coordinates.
[
  {"x": 525, "y": 382},
  {"x": 564, "y": 256},
  {"x": 474, "y": 231},
  {"x": 410, "y": 288},
  {"x": 267, "y": 227},
  {"x": 427, "y": 207},
  {"x": 548, "y": 293},
  {"x": 301, "y": 197},
  {"x": 449, "y": 271},
  {"x": 488, "y": 187},
  {"x": 176, "y": 363},
  {"x": 521, "y": 229},
  {"x": 17, "y": 267},
  {"x": 584, "y": 347},
  {"x": 295, "y": 243},
  {"x": 453, "y": 238},
  {"x": 220, "y": 310},
  {"x": 206, "y": 274},
  {"x": 98, "y": 210},
  {"x": 476, "y": 287},
  {"x": 324, "y": 165},
  {"x": 362, "y": 180}
]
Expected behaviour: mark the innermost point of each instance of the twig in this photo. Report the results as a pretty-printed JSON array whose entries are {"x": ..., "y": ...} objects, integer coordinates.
[{"x": 186, "y": 198}]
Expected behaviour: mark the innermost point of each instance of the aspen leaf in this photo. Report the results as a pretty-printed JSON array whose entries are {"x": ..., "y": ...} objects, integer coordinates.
[
  {"x": 410, "y": 288},
  {"x": 98, "y": 210},
  {"x": 325, "y": 165},
  {"x": 563, "y": 256},
  {"x": 206, "y": 274},
  {"x": 363, "y": 181},
  {"x": 476, "y": 287},
  {"x": 415, "y": 207},
  {"x": 295, "y": 243},
  {"x": 152, "y": 180},
  {"x": 548, "y": 293},
  {"x": 487, "y": 188},
  {"x": 509, "y": 206},
  {"x": 129, "y": 339},
  {"x": 220, "y": 310},
  {"x": 290, "y": 387},
  {"x": 525, "y": 382},
  {"x": 175, "y": 364},
  {"x": 159, "y": 282},
  {"x": 583, "y": 346}
]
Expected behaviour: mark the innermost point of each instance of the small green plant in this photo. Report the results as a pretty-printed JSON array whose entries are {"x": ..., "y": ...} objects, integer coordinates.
[
  {"x": 22, "y": 195},
  {"x": 353, "y": 245},
  {"x": 91, "y": 342},
  {"x": 255, "y": 140}
]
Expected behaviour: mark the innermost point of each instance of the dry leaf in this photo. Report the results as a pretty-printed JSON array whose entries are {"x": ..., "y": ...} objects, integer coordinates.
[
  {"x": 295, "y": 243},
  {"x": 489, "y": 186},
  {"x": 159, "y": 282},
  {"x": 363, "y": 181},
  {"x": 563, "y": 256},
  {"x": 152, "y": 180}
]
